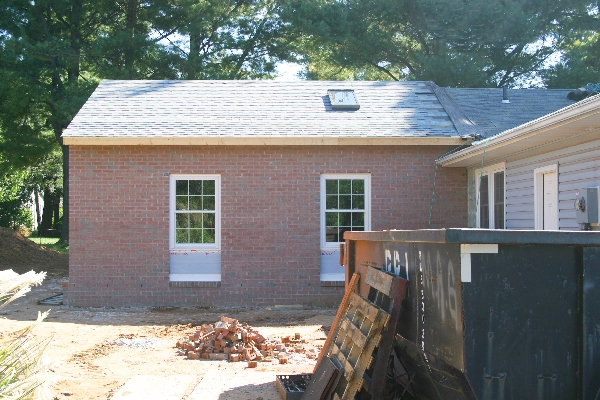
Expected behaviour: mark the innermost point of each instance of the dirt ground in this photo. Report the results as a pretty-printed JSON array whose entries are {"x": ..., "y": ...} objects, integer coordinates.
[{"x": 93, "y": 352}]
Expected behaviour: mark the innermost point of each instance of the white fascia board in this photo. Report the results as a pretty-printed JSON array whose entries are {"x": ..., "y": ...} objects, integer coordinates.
[{"x": 261, "y": 141}]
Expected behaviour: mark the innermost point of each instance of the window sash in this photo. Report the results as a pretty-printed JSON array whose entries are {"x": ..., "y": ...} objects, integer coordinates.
[
  {"x": 490, "y": 189},
  {"x": 194, "y": 217},
  {"x": 345, "y": 206}
]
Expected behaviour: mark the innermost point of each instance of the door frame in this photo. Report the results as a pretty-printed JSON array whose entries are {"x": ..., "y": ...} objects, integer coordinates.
[{"x": 538, "y": 194}]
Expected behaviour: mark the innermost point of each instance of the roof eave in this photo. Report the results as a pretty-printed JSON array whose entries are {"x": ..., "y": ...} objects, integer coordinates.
[
  {"x": 586, "y": 109},
  {"x": 261, "y": 141}
]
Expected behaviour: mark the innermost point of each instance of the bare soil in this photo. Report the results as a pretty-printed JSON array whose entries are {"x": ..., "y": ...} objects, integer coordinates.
[{"x": 93, "y": 352}]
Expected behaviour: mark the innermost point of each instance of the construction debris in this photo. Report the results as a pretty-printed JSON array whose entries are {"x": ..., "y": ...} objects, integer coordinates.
[{"x": 229, "y": 339}]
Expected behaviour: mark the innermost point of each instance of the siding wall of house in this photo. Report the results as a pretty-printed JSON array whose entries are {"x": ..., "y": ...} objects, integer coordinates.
[
  {"x": 270, "y": 251},
  {"x": 578, "y": 167}
]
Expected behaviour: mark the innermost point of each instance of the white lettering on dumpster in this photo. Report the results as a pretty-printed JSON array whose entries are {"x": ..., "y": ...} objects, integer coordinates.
[
  {"x": 422, "y": 311},
  {"x": 393, "y": 264}
]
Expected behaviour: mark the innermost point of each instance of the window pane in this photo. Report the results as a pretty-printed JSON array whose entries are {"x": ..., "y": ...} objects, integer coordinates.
[
  {"x": 181, "y": 203},
  {"x": 499, "y": 200},
  {"x": 358, "y": 186},
  {"x": 345, "y": 186},
  {"x": 331, "y": 202},
  {"x": 196, "y": 220},
  {"x": 331, "y": 186},
  {"x": 345, "y": 219},
  {"x": 181, "y": 236},
  {"x": 209, "y": 203},
  {"x": 484, "y": 209},
  {"x": 208, "y": 235},
  {"x": 196, "y": 236},
  {"x": 331, "y": 235},
  {"x": 195, "y": 188},
  {"x": 358, "y": 219},
  {"x": 345, "y": 202},
  {"x": 195, "y": 202},
  {"x": 209, "y": 220},
  {"x": 208, "y": 187},
  {"x": 181, "y": 221},
  {"x": 181, "y": 188},
  {"x": 358, "y": 202},
  {"x": 342, "y": 230},
  {"x": 331, "y": 219}
]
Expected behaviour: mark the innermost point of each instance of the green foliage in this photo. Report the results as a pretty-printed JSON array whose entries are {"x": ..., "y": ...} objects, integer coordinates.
[
  {"x": 452, "y": 42},
  {"x": 50, "y": 243},
  {"x": 13, "y": 215},
  {"x": 20, "y": 366},
  {"x": 580, "y": 64}
]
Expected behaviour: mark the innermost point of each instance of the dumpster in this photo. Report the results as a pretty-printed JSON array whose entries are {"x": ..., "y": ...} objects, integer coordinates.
[{"x": 491, "y": 314}]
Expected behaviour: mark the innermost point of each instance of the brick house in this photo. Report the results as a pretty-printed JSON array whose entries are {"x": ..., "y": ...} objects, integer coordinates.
[
  {"x": 203, "y": 193},
  {"x": 238, "y": 192}
]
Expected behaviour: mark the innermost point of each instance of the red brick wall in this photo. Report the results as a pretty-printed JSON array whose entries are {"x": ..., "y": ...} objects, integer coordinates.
[{"x": 119, "y": 217}]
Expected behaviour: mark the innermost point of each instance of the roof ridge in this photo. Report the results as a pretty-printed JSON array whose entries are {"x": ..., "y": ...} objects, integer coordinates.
[{"x": 463, "y": 124}]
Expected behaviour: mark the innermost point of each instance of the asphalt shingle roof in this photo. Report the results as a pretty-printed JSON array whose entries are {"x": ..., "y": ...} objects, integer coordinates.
[
  {"x": 485, "y": 108},
  {"x": 170, "y": 109}
]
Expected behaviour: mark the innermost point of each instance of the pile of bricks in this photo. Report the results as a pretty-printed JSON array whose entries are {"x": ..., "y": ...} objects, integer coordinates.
[{"x": 231, "y": 340}]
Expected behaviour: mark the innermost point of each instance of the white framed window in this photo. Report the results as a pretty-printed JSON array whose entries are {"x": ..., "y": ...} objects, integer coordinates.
[
  {"x": 195, "y": 228},
  {"x": 545, "y": 197},
  {"x": 195, "y": 212},
  {"x": 345, "y": 206},
  {"x": 491, "y": 195}
]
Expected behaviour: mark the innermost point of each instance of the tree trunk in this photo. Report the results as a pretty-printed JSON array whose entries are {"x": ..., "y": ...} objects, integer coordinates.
[
  {"x": 56, "y": 211},
  {"x": 130, "y": 23},
  {"x": 47, "y": 213},
  {"x": 38, "y": 210},
  {"x": 194, "y": 56}
]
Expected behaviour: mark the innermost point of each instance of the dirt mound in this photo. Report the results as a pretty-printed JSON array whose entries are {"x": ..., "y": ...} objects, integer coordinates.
[{"x": 21, "y": 255}]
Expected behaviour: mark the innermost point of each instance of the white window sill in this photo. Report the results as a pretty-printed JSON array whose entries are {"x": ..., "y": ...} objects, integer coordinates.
[
  {"x": 336, "y": 277},
  {"x": 195, "y": 277}
]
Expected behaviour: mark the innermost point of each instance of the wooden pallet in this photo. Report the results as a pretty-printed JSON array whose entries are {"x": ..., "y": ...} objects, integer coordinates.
[
  {"x": 388, "y": 292},
  {"x": 357, "y": 332}
]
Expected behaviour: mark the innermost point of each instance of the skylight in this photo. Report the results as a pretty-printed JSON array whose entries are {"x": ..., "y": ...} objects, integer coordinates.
[{"x": 342, "y": 99}]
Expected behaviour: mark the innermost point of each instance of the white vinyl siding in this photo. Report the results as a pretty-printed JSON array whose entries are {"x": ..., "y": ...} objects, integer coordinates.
[{"x": 578, "y": 167}]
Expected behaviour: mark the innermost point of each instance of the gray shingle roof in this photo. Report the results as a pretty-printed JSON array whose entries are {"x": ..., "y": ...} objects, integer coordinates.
[
  {"x": 485, "y": 108},
  {"x": 170, "y": 109}
]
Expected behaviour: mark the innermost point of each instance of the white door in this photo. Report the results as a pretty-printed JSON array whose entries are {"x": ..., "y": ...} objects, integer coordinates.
[{"x": 550, "y": 201}]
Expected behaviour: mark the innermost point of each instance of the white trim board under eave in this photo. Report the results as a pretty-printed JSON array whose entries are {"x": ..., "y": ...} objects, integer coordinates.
[{"x": 465, "y": 257}]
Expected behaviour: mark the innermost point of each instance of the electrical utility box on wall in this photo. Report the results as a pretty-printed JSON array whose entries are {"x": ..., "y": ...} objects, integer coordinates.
[{"x": 586, "y": 205}]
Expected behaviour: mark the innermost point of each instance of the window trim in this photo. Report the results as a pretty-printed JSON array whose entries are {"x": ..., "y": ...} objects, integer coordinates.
[
  {"x": 194, "y": 246},
  {"x": 324, "y": 177},
  {"x": 538, "y": 195},
  {"x": 489, "y": 172}
]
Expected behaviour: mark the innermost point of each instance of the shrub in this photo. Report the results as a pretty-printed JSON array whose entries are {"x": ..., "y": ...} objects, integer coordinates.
[{"x": 20, "y": 366}]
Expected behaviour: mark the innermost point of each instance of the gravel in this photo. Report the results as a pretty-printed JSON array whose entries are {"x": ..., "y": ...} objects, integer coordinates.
[{"x": 140, "y": 343}]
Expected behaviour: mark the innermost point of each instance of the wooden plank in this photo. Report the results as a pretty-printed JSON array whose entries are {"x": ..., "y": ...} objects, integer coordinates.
[
  {"x": 387, "y": 340},
  {"x": 364, "y": 360},
  {"x": 341, "y": 358},
  {"x": 352, "y": 331},
  {"x": 322, "y": 380},
  {"x": 336, "y": 321},
  {"x": 366, "y": 308},
  {"x": 379, "y": 280}
]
